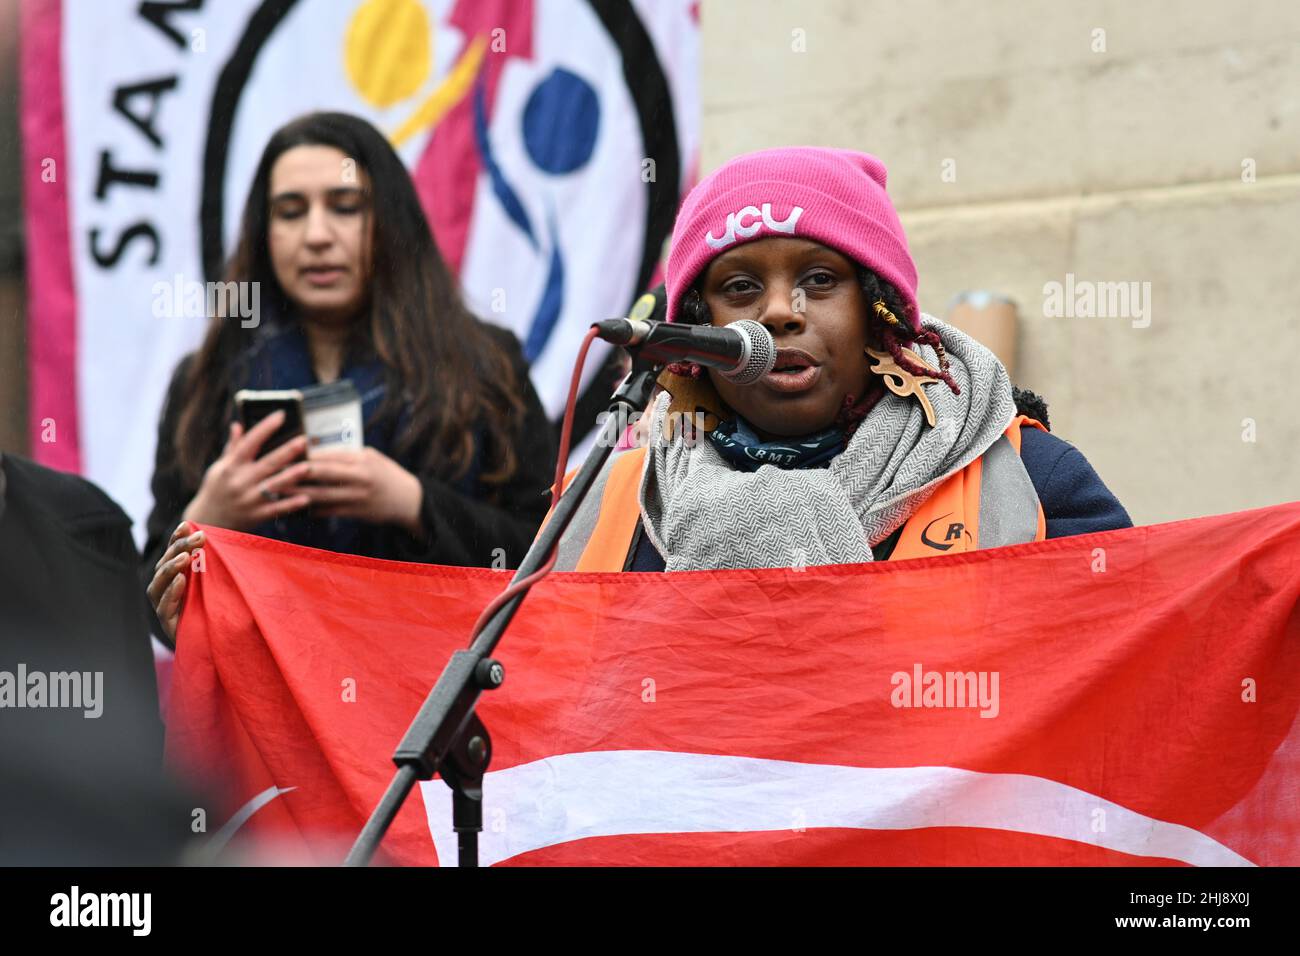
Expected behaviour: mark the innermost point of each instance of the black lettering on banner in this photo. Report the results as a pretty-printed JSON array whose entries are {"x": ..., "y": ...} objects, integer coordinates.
[
  {"x": 109, "y": 260},
  {"x": 110, "y": 175},
  {"x": 157, "y": 12},
  {"x": 154, "y": 89}
]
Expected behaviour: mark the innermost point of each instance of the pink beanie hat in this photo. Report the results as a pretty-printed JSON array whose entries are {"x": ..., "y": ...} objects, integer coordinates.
[{"x": 833, "y": 196}]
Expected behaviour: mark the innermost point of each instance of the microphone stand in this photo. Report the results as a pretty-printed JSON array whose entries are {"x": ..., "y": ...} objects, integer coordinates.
[{"x": 447, "y": 736}]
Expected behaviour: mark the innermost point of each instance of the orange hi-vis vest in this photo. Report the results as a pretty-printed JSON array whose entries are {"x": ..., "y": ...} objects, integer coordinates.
[{"x": 989, "y": 503}]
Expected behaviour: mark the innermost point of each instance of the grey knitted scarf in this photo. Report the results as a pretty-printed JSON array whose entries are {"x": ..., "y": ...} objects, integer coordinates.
[{"x": 699, "y": 512}]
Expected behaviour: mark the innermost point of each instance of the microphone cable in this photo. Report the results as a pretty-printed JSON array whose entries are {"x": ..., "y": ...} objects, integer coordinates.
[{"x": 557, "y": 488}]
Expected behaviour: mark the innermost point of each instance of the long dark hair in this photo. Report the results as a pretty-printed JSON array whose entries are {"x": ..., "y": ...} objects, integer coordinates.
[{"x": 438, "y": 359}]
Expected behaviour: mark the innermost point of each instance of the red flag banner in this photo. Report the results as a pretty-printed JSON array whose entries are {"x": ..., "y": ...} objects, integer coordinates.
[{"x": 1124, "y": 698}]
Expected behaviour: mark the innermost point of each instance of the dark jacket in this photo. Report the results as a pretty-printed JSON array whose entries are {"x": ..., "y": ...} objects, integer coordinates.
[
  {"x": 79, "y": 785},
  {"x": 469, "y": 524}
]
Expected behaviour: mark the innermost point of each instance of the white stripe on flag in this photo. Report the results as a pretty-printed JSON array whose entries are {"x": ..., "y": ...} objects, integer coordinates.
[{"x": 611, "y": 793}]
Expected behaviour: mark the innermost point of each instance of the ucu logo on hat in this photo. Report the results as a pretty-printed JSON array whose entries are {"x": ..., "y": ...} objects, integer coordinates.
[{"x": 739, "y": 228}]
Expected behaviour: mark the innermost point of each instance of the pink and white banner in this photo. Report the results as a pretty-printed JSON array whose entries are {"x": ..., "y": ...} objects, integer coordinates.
[{"x": 550, "y": 141}]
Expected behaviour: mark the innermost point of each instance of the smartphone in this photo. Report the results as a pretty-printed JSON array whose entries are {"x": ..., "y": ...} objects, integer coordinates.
[{"x": 252, "y": 406}]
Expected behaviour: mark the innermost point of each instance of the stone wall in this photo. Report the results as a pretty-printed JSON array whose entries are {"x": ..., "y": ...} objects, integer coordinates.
[{"x": 1154, "y": 143}]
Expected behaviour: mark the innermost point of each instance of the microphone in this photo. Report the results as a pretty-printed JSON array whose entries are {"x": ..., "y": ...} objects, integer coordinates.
[{"x": 742, "y": 352}]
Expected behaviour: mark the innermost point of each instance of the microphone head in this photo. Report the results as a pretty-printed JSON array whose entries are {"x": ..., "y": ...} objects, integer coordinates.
[{"x": 760, "y": 352}]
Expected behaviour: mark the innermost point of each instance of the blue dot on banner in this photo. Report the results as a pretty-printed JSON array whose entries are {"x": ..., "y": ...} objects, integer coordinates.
[{"x": 560, "y": 122}]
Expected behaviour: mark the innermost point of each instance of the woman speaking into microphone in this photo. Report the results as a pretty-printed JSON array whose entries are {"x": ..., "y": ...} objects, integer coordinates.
[
  {"x": 881, "y": 433},
  {"x": 457, "y": 457}
]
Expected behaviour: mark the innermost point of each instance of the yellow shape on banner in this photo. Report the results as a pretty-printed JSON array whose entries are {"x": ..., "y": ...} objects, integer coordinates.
[
  {"x": 447, "y": 95},
  {"x": 388, "y": 50}
]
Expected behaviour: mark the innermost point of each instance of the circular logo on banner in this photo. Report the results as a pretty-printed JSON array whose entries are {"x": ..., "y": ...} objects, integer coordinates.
[{"x": 545, "y": 154}]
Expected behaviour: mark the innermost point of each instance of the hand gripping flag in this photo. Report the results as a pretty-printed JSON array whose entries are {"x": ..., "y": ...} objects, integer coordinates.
[{"x": 1125, "y": 698}]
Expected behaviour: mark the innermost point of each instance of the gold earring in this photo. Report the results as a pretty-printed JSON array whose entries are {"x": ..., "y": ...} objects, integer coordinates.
[
  {"x": 903, "y": 382},
  {"x": 882, "y": 310}
]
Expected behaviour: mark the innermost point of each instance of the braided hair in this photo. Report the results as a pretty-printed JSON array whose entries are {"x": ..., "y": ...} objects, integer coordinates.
[{"x": 894, "y": 332}]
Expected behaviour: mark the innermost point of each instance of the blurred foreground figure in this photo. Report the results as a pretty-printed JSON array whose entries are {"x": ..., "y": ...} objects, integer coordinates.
[{"x": 80, "y": 734}]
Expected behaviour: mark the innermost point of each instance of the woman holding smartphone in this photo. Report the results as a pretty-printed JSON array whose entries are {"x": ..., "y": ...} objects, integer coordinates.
[{"x": 458, "y": 452}]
